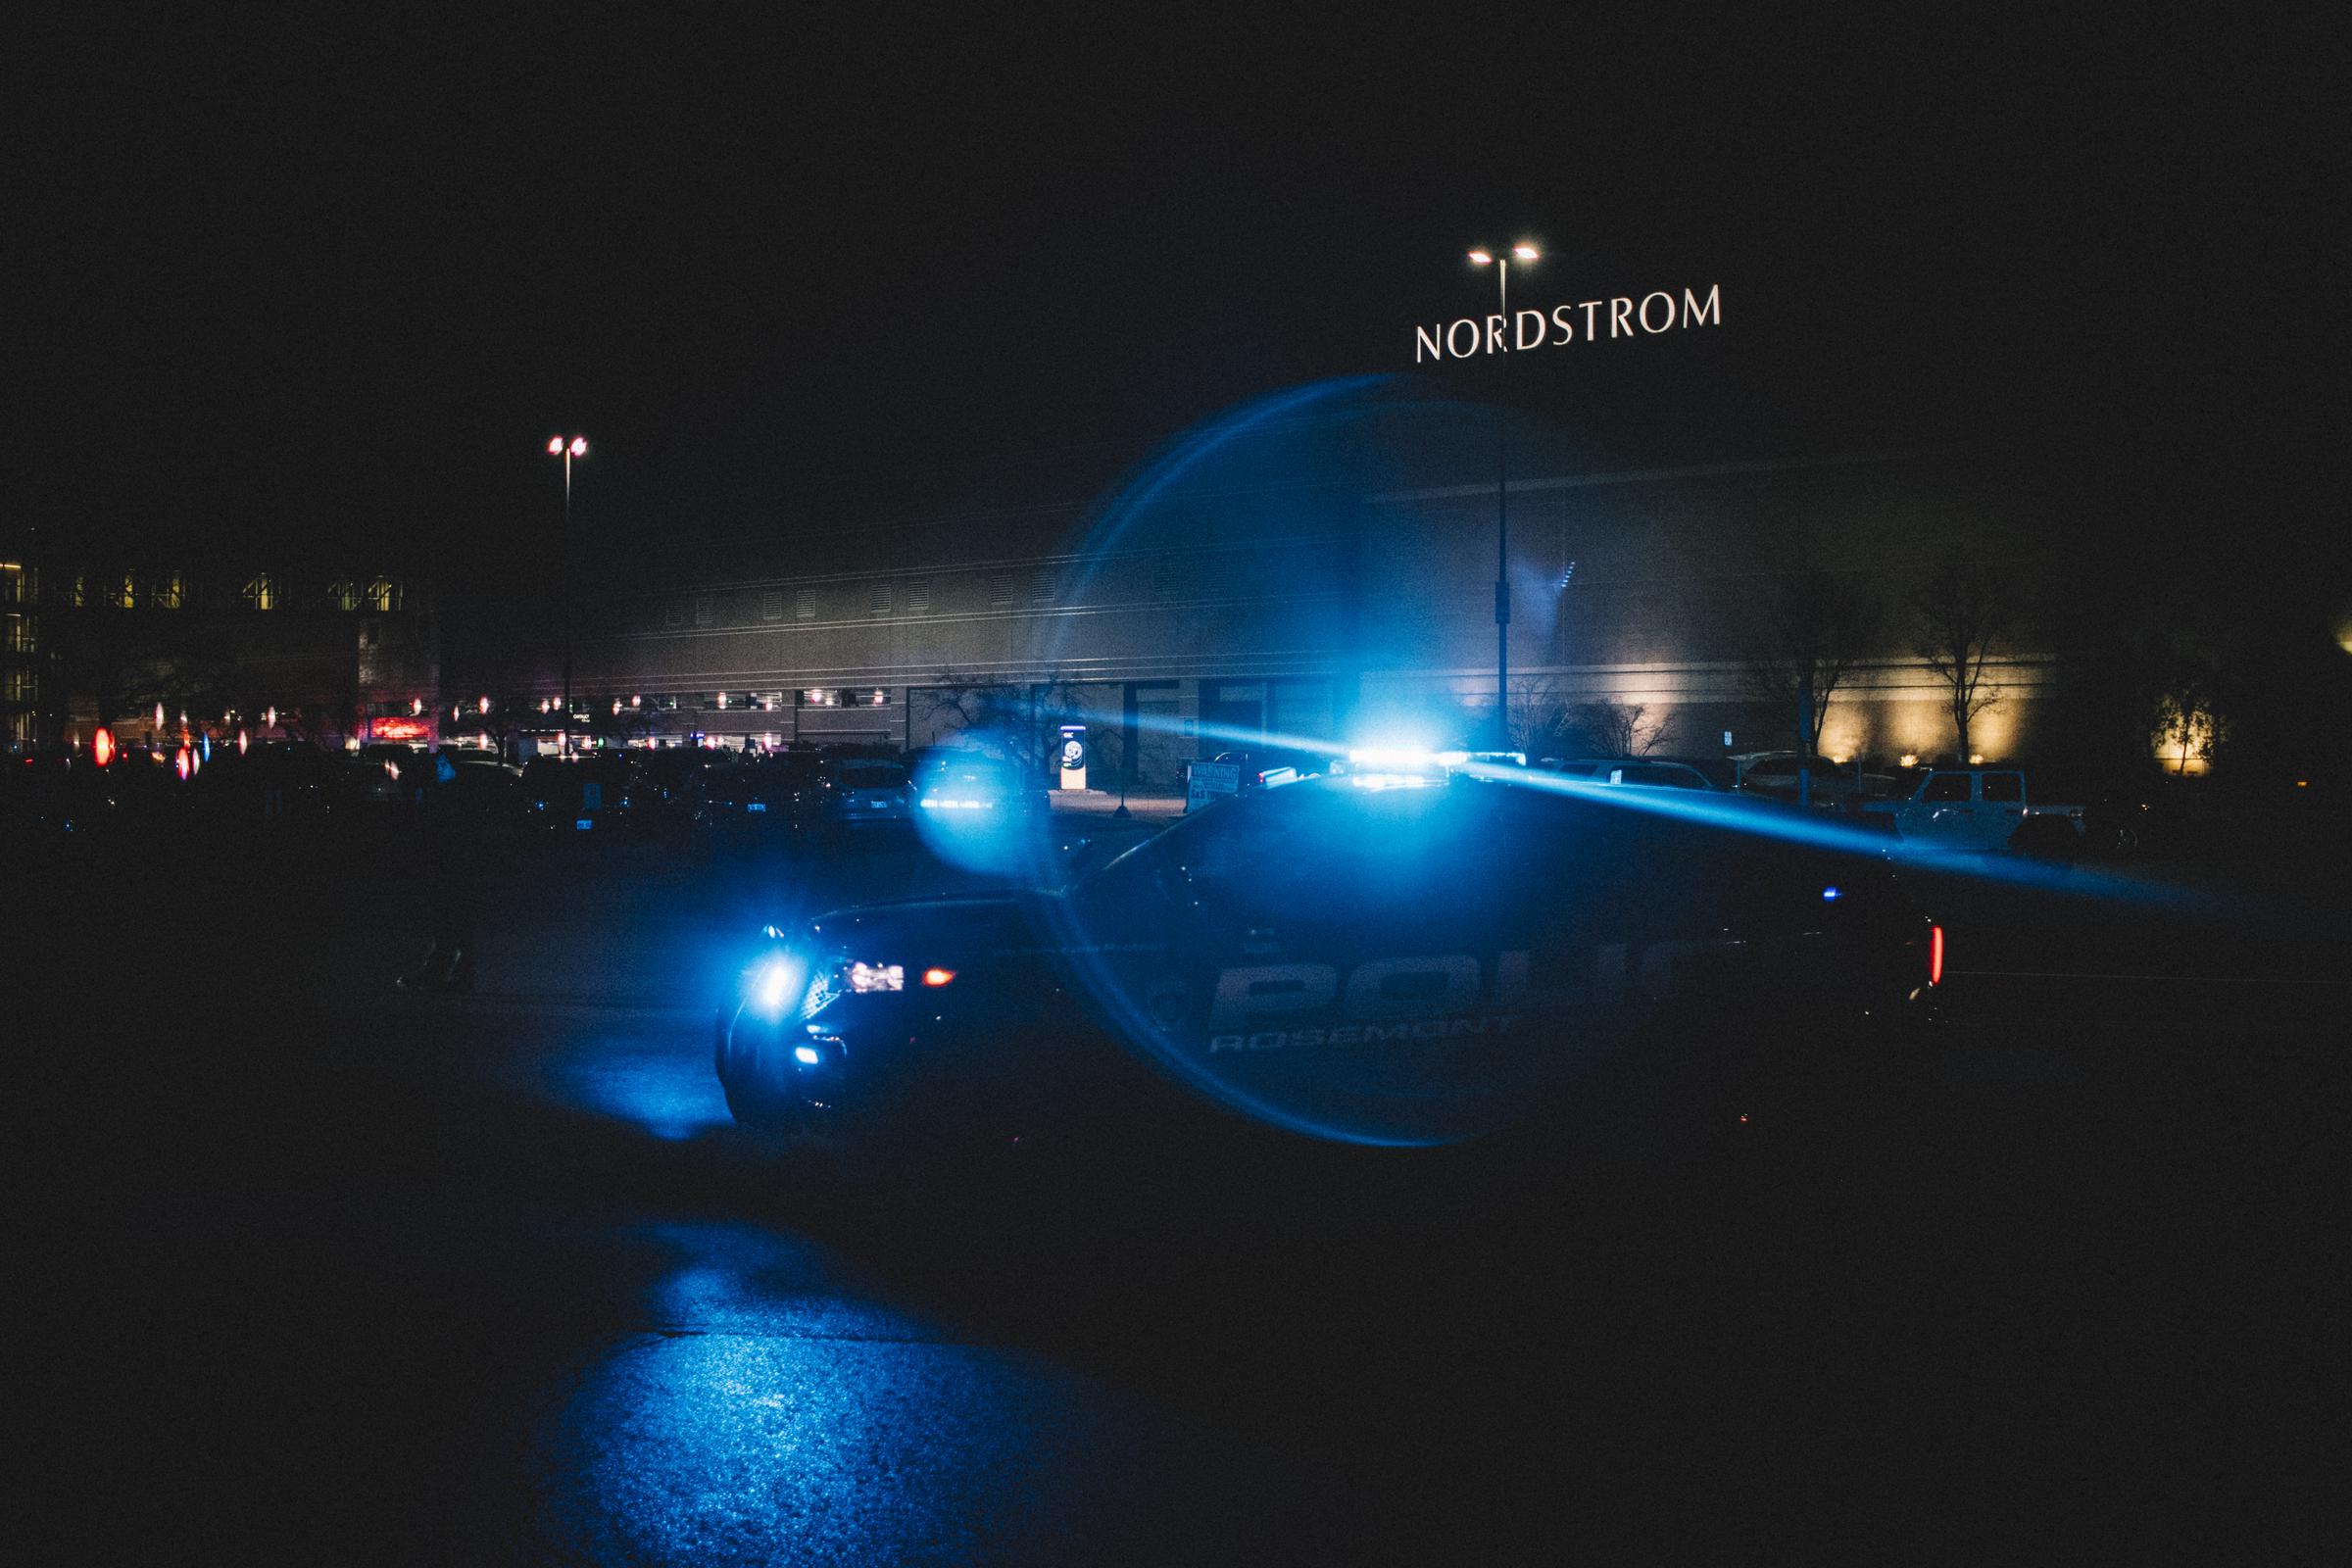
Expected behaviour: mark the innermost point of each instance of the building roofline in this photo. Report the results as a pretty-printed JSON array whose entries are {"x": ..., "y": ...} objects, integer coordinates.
[{"x": 1697, "y": 470}]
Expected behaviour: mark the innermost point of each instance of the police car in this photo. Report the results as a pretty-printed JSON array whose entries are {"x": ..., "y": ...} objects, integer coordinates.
[{"x": 1393, "y": 958}]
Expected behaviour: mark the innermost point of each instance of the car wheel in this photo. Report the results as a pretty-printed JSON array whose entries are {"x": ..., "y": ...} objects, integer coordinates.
[{"x": 760, "y": 1091}]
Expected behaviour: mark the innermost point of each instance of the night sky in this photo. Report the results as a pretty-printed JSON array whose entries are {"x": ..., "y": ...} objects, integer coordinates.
[{"x": 331, "y": 287}]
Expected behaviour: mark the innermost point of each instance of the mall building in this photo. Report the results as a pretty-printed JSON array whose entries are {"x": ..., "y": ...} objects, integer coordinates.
[{"x": 1324, "y": 577}]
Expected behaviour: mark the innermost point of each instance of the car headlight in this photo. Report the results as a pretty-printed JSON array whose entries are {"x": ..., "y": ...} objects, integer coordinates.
[{"x": 776, "y": 984}]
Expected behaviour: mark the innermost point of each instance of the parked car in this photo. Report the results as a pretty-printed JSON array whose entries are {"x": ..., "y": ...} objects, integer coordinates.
[
  {"x": 959, "y": 781},
  {"x": 273, "y": 781},
  {"x": 1276, "y": 764},
  {"x": 484, "y": 783},
  {"x": 1779, "y": 774},
  {"x": 58, "y": 803},
  {"x": 578, "y": 794},
  {"x": 1491, "y": 957},
  {"x": 857, "y": 792},
  {"x": 757, "y": 801},
  {"x": 1981, "y": 809},
  {"x": 671, "y": 782},
  {"x": 381, "y": 777}
]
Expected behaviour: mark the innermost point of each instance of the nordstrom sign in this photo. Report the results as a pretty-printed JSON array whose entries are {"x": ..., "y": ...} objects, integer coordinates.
[{"x": 1589, "y": 319}]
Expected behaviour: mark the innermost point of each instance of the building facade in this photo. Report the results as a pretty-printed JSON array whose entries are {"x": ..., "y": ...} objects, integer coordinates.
[
  {"x": 1332, "y": 580},
  {"x": 159, "y": 653}
]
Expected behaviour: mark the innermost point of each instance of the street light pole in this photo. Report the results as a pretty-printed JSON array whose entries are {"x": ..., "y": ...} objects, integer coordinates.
[
  {"x": 577, "y": 447},
  {"x": 1481, "y": 257}
]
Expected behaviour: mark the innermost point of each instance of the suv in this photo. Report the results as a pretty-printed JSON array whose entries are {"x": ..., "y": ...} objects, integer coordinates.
[
  {"x": 588, "y": 794},
  {"x": 854, "y": 792}
]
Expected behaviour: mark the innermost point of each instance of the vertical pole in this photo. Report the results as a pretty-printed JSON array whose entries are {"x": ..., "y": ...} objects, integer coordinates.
[
  {"x": 1502, "y": 529},
  {"x": 564, "y": 587}
]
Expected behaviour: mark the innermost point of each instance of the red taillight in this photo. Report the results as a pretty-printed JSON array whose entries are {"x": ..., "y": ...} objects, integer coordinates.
[
  {"x": 101, "y": 747},
  {"x": 1935, "y": 954},
  {"x": 938, "y": 977}
]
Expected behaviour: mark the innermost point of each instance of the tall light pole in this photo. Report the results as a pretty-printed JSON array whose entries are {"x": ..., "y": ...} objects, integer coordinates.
[
  {"x": 1481, "y": 257},
  {"x": 559, "y": 446}
]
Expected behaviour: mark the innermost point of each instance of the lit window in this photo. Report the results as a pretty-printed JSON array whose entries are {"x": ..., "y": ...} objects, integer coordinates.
[
  {"x": 344, "y": 595},
  {"x": 171, "y": 592},
  {"x": 23, "y": 634},
  {"x": 771, "y": 605},
  {"x": 383, "y": 594},
  {"x": 261, "y": 593},
  {"x": 878, "y": 599},
  {"x": 918, "y": 597},
  {"x": 126, "y": 593},
  {"x": 803, "y": 604}
]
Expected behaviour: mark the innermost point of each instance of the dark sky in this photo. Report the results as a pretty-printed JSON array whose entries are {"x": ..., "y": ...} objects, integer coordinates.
[{"x": 337, "y": 282}]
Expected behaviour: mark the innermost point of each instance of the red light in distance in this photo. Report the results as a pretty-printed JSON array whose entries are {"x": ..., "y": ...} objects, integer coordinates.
[
  {"x": 101, "y": 747},
  {"x": 1935, "y": 954},
  {"x": 938, "y": 977}
]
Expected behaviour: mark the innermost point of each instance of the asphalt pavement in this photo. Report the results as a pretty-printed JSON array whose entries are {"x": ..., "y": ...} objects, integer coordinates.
[{"x": 318, "y": 1270}]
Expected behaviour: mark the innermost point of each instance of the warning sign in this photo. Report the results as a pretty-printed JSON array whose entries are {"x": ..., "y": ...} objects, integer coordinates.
[{"x": 1205, "y": 782}]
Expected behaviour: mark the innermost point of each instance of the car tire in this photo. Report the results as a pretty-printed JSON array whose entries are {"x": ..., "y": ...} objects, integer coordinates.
[{"x": 760, "y": 1097}]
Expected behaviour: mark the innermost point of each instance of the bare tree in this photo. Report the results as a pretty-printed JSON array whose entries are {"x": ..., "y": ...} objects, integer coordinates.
[
  {"x": 1018, "y": 720},
  {"x": 1813, "y": 630},
  {"x": 1616, "y": 729},
  {"x": 1539, "y": 714},
  {"x": 1959, "y": 611},
  {"x": 2188, "y": 720}
]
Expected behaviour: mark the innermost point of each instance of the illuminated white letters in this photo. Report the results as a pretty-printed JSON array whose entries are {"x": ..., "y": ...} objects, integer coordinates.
[{"x": 1525, "y": 329}]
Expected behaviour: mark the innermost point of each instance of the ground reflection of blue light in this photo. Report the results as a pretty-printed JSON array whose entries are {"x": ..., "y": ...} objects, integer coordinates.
[
  {"x": 669, "y": 1092},
  {"x": 767, "y": 1414}
]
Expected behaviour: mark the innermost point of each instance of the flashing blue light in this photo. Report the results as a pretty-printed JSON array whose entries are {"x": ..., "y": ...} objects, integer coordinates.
[
  {"x": 805, "y": 1056},
  {"x": 1829, "y": 894},
  {"x": 775, "y": 984}
]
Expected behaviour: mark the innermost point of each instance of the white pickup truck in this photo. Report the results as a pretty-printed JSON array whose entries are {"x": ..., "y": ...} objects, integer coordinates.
[{"x": 1971, "y": 809}]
